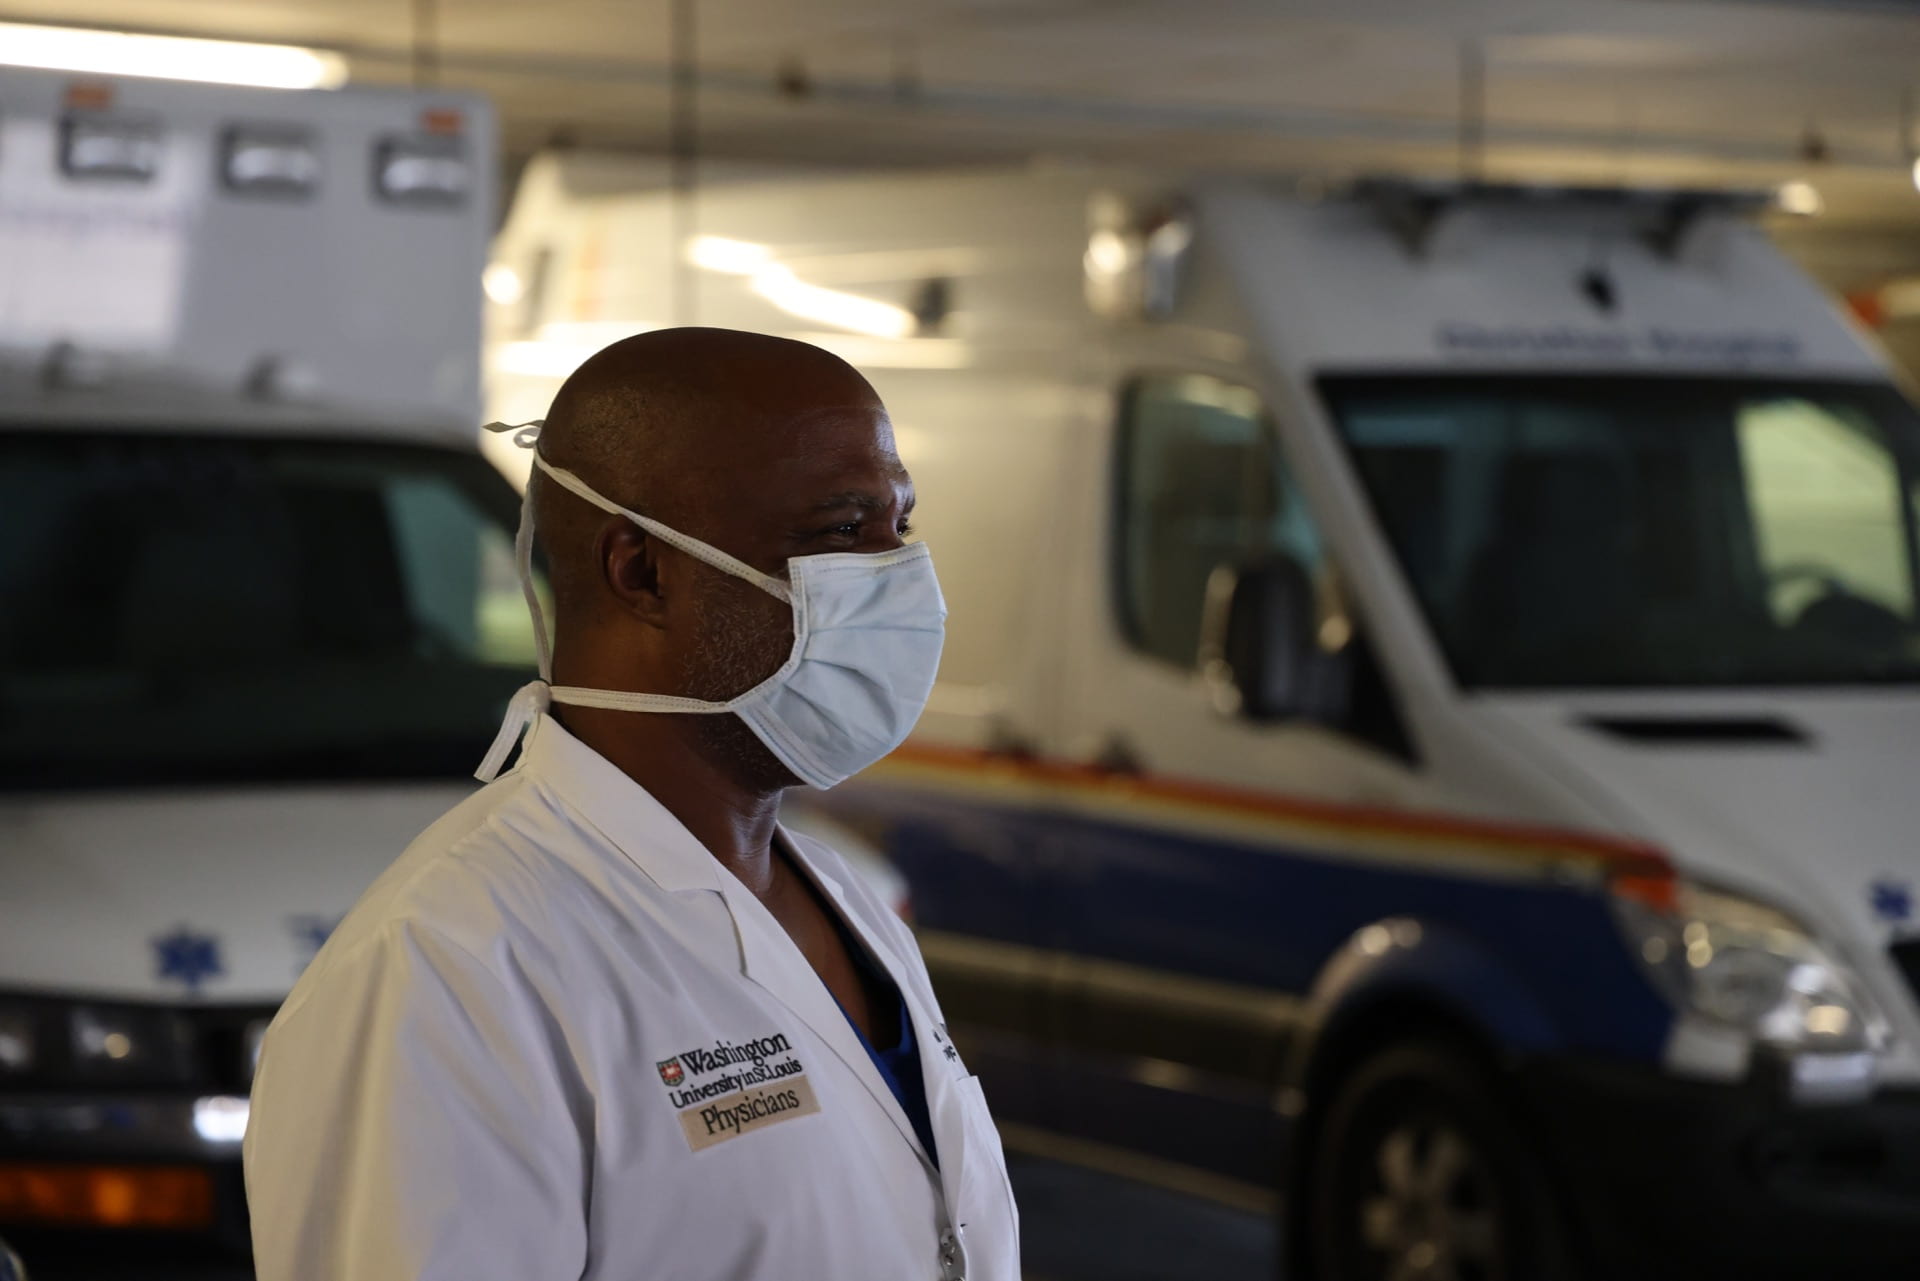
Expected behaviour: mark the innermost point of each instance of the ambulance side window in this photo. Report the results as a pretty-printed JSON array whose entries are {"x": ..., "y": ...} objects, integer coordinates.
[
  {"x": 1826, "y": 494},
  {"x": 460, "y": 572},
  {"x": 1201, "y": 484}
]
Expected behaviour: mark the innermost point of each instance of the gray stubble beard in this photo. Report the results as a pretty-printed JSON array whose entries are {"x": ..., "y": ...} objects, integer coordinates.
[{"x": 743, "y": 643}]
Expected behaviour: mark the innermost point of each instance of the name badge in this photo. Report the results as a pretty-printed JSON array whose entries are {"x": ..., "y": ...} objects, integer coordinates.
[
  {"x": 750, "y": 1110},
  {"x": 729, "y": 1089}
]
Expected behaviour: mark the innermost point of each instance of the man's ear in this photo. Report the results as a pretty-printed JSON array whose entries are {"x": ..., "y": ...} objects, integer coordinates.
[{"x": 630, "y": 566}]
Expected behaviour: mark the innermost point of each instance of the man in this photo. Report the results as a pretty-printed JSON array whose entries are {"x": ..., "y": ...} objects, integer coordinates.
[{"x": 606, "y": 1019}]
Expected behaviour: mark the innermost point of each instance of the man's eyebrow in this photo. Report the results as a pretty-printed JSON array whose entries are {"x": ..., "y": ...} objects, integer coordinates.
[{"x": 861, "y": 499}]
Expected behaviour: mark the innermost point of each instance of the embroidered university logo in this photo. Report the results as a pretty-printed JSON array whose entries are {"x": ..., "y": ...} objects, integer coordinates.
[{"x": 671, "y": 1073}]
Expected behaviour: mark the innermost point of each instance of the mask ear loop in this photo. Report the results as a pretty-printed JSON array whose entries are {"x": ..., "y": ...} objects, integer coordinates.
[
  {"x": 527, "y": 436},
  {"x": 533, "y": 698},
  {"x": 524, "y": 434},
  {"x": 523, "y": 558},
  {"x": 778, "y": 588}
]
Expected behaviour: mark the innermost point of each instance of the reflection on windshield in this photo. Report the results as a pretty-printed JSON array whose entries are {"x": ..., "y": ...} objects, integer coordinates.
[
  {"x": 219, "y": 609},
  {"x": 1585, "y": 531}
]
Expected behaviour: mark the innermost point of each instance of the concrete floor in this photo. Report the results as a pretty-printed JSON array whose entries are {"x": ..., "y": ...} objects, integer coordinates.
[
  {"x": 1082, "y": 1225},
  {"x": 1078, "y": 1225}
]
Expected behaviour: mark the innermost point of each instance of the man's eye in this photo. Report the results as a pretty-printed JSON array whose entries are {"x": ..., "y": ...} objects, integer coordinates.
[{"x": 907, "y": 529}]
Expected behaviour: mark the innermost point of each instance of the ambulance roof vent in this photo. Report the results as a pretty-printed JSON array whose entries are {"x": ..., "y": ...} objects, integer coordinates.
[
  {"x": 71, "y": 367},
  {"x": 1427, "y": 214},
  {"x": 1136, "y": 257},
  {"x": 282, "y": 380}
]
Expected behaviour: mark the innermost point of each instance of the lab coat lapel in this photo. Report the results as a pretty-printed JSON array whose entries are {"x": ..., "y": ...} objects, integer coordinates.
[
  {"x": 946, "y": 1104},
  {"x": 771, "y": 960}
]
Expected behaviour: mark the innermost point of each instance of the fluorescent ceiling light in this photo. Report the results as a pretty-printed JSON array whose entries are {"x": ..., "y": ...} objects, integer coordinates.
[
  {"x": 732, "y": 257},
  {"x": 122, "y": 53},
  {"x": 779, "y": 286},
  {"x": 796, "y": 297}
]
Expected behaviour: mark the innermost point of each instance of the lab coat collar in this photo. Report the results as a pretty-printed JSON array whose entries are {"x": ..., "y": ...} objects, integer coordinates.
[{"x": 623, "y": 811}]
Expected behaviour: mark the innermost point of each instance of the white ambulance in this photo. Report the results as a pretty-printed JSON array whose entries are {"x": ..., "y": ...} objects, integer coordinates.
[
  {"x": 1427, "y": 737},
  {"x": 258, "y": 617}
]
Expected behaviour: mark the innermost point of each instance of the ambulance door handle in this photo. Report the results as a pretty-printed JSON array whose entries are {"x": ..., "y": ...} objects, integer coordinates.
[
  {"x": 1009, "y": 743},
  {"x": 1117, "y": 756}
]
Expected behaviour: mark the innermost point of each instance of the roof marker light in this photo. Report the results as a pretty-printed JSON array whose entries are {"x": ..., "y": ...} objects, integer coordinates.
[
  {"x": 110, "y": 146},
  {"x": 270, "y": 161},
  {"x": 425, "y": 169},
  {"x": 1802, "y": 199},
  {"x": 123, "y": 53},
  {"x": 502, "y": 284}
]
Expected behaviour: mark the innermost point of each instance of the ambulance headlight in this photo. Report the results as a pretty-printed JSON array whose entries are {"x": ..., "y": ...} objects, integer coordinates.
[
  {"x": 19, "y": 1040},
  {"x": 129, "y": 1040},
  {"x": 424, "y": 170},
  {"x": 270, "y": 162},
  {"x": 1753, "y": 968}
]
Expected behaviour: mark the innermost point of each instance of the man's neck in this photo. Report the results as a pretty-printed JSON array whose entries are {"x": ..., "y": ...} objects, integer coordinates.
[{"x": 662, "y": 753}]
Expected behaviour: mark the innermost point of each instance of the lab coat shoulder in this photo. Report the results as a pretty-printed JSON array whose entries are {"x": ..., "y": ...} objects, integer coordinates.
[
  {"x": 492, "y": 877},
  {"x": 413, "y": 1085},
  {"x": 418, "y": 1070}
]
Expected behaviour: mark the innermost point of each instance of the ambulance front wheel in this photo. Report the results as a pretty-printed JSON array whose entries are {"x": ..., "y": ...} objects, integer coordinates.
[{"x": 1421, "y": 1175}]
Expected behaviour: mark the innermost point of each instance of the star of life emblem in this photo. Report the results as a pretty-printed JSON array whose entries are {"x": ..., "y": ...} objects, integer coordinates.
[
  {"x": 671, "y": 1073},
  {"x": 188, "y": 957}
]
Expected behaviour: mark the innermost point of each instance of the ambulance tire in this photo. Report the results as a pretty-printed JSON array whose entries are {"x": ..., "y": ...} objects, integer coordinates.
[{"x": 1421, "y": 1172}]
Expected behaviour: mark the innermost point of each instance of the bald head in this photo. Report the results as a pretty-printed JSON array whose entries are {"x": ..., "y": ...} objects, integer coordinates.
[
  {"x": 762, "y": 447},
  {"x": 674, "y": 423},
  {"x": 655, "y": 419}
]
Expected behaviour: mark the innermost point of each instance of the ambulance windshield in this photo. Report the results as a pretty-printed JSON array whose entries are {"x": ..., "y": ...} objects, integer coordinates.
[
  {"x": 1629, "y": 531},
  {"x": 218, "y": 609}
]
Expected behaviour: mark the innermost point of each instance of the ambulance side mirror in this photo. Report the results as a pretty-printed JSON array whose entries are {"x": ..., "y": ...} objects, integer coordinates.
[{"x": 1263, "y": 650}]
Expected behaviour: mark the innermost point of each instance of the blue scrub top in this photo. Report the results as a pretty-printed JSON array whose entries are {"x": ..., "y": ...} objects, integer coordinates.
[{"x": 899, "y": 1067}]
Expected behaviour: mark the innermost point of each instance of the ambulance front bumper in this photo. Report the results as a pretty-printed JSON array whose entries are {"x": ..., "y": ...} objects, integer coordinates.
[
  {"x": 1668, "y": 1178},
  {"x": 137, "y": 1163}
]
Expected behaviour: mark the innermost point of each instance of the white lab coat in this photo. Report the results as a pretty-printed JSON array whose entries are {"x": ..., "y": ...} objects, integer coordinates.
[{"x": 529, "y": 1053}]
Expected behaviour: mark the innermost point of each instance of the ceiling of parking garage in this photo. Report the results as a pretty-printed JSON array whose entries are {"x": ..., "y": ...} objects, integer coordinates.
[{"x": 1647, "y": 90}]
